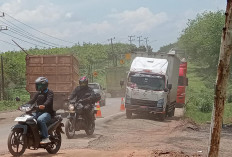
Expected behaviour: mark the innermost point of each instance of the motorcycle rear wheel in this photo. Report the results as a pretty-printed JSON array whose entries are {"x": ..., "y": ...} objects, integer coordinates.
[
  {"x": 69, "y": 129},
  {"x": 55, "y": 144},
  {"x": 17, "y": 140}
]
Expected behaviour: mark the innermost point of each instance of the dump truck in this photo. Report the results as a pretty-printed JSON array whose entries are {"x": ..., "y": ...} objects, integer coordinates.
[
  {"x": 62, "y": 72},
  {"x": 116, "y": 80},
  {"x": 152, "y": 85}
]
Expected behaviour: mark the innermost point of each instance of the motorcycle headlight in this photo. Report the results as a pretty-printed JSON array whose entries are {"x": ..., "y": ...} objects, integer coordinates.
[
  {"x": 25, "y": 108},
  {"x": 28, "y": 109},
  {"x": 71, "y": 107},
  {"x": 160, "y": 103}
]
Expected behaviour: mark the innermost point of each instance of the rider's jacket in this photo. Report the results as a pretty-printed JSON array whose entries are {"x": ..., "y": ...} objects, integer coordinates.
[
  {"x": 80, "y": 93},
  {"x": 44, "y": 98}
]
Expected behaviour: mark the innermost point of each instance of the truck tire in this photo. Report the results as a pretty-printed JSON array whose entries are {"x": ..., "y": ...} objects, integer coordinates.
[
  {"x": 162, "y": 117},
  {"x": 128, "y": 114},
  {"x": 171, "y": 113}
]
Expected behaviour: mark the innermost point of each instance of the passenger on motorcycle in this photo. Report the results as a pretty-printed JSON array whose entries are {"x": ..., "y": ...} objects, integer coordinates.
[
  {"x": 44, "y": 99},
  {"x": 79, "y": 94}
]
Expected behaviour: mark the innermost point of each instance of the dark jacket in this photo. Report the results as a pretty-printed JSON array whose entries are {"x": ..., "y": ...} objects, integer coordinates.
[
  {"x": 44, "y": 99},
  {"x": 80, "y": 93}
]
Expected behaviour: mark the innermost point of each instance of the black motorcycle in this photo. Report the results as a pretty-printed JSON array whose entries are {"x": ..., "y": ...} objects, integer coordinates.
[
  {"x": 77, "y": 119},
  {"x": 26, "y": 133}
]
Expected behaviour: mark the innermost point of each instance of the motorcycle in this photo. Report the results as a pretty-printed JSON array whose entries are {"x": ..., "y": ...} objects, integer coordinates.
[
  {"x": 26, "y": 133},
  {"x": 77, "y": 120}
]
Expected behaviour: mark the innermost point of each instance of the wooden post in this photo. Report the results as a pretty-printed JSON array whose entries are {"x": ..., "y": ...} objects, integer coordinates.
[
  {"x": 3, "y": 89},
  {"x": 221, "y": 83}
]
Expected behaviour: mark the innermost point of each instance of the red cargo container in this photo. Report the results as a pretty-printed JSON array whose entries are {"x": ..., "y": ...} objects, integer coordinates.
[{"x": 182, "y": 83}]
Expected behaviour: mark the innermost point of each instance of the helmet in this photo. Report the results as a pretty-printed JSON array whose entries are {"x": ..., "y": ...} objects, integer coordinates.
[
  {"x": 41, "y": 84},
  {"x": 83, "y": 82}
]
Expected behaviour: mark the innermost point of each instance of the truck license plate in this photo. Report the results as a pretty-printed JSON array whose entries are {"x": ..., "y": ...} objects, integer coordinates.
[{"x": 144, "y": 108}]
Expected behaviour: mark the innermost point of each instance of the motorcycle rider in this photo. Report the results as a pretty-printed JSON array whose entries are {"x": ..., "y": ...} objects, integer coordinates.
[
  {"x": 44, "y": 98},
  {"x": 79, "y": 93}
]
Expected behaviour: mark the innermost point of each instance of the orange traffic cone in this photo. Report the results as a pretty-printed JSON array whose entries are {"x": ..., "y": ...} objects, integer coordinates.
[
  {"x": 99, "y": 115},
  {"x": 122, "y": 107}
]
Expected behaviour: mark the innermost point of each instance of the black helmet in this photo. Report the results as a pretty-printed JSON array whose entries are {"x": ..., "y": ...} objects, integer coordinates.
[
  {"x": 83, "y": 82},
  {"x": 41, "y": 84}
]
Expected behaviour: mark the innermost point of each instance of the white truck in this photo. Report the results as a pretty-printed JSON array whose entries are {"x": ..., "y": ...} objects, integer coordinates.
[{"x": 152, "y": 85}]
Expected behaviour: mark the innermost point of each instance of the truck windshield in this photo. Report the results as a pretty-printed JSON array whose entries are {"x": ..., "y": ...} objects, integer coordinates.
[{"x": 148, "y": 82}]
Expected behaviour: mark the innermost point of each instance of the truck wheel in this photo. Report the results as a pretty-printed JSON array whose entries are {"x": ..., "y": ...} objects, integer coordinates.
[
  {"x": 162, "y": 117},
  {"x": 171, "y": 114},
  {"x": 128, "y": 114}
]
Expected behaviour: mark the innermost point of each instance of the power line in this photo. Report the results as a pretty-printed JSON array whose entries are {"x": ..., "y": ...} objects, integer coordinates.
[
  {"x": 7, "y": 42},
  {"x": 23, "y": 31},
  {"x": 30, "y": 38},
  {"x": 21, "y": 39},
  {"x": 39, "y": 31}
]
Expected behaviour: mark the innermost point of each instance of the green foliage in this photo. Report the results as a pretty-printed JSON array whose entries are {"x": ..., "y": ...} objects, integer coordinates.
[
  {"x": 201, "y": 41},
  {"x": 202, "y": 37},
  {"x": 91, "y": 57},
  {"x": 8, "y": 105},
  {"x": 200, "y": 97},
  {"x": 167, "y": 48}
]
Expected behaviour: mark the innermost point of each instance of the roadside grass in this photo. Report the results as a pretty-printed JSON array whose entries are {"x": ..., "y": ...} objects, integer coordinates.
[
  {"x": 200, "y": 98},
  {"x": 6, "y": 105},
  {"x": 10, "y": 103}
]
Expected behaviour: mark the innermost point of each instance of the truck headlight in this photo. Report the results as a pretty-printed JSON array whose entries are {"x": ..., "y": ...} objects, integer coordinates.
[
  {"x": 71, "y": 107},
  {"x": 128, "y": 99},
  {"x": 160, "y": 103}
]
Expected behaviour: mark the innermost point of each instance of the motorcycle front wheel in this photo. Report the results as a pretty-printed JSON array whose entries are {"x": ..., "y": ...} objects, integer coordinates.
[
  {"x": 90, "y": 129},
  {"x": 55, "y": 144},
  {"x": 17, "y": 142},
  {"x": 69, "y": 129}
]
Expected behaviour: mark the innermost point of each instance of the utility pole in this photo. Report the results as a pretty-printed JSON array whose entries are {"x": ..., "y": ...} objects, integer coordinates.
[
  {"x": 114, "y": 55},
  {"x": 3, "y": 90},
  {"x": 2, "y": 93},
  {"x": 2, "y": 15},
  {"x": 20, "y": 47},
  {"x": 139, "y": 39},
  {"x": 2, "y": 29},
  {"x": 146, "y": 40},
  {"x": 221, "y": 83},
  {"x": 131, "y": 36}
]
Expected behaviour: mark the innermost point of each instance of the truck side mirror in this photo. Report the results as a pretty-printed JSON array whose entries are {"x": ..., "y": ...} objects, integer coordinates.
[
  {"x": 165, "y": 89},
  {"x": 169, "y": 86}
]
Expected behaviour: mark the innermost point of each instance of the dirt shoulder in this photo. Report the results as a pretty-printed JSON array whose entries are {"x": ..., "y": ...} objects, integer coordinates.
[{"x": 147, "y": 137}]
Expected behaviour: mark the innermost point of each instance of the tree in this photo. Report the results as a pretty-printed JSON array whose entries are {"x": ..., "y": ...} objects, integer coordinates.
[
  {"x": 167, "y": 48},
  {"x": 202, "y": 37}
]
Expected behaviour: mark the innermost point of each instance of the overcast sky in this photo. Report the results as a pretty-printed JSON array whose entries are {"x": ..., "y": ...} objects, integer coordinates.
[{"x": 96, "y": 21}]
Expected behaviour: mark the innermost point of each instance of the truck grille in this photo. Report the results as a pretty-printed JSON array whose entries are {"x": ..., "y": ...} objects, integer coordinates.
[{"x": 143, "y": 102}]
